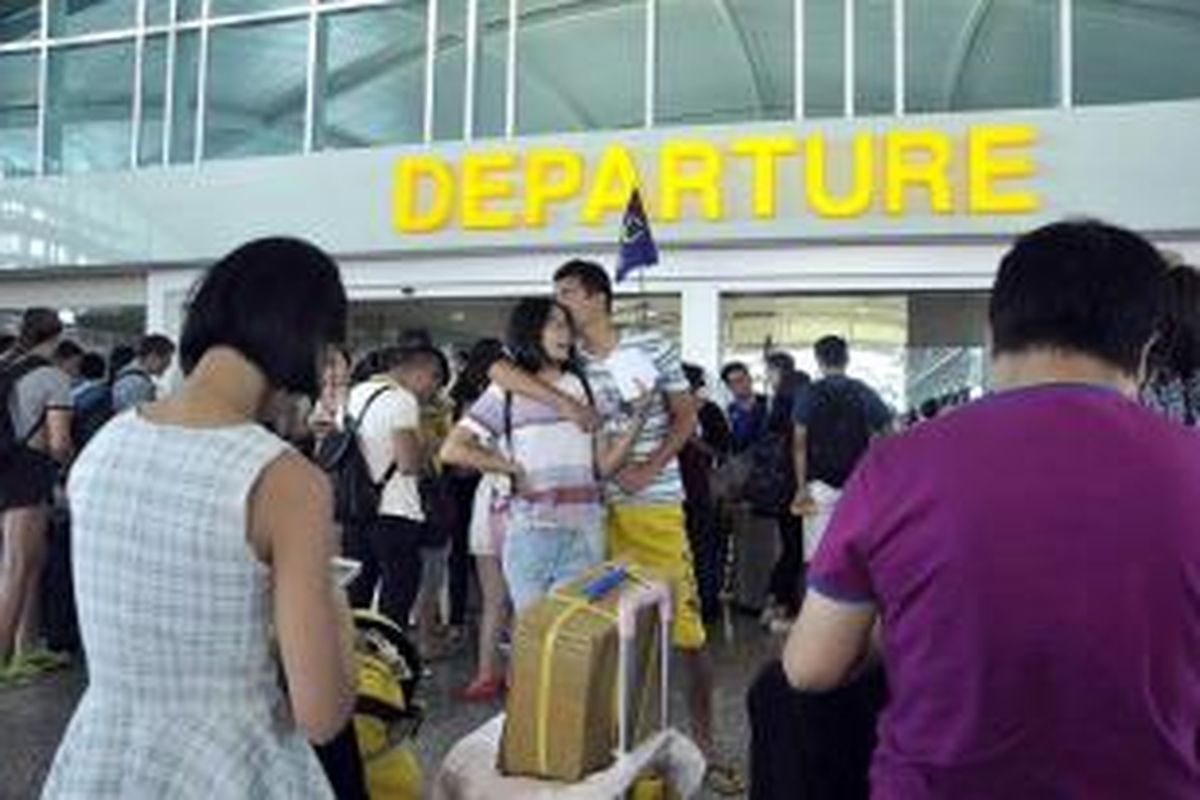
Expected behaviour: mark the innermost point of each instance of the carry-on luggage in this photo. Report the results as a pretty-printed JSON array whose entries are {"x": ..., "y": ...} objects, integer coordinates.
[
  {"x": 755, "y": 543},
  {"x": 589, "y": 674}
]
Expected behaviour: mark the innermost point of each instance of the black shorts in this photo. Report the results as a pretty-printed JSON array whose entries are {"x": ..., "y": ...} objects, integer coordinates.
[{"x": 27, "y": 479}]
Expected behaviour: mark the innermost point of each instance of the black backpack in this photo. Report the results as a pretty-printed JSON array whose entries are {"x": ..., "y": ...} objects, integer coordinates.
[
  {"x": 839, "y": 431},
  {"x": 356, "y": 494},
  {"x": 93, "y": 408},
  {"x": 10, "y": 373}
]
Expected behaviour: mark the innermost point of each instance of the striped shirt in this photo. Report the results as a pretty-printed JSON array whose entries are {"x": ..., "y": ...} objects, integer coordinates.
[
  {"x": 558, "y": 458},
  {"x": 667, "y": 488}
]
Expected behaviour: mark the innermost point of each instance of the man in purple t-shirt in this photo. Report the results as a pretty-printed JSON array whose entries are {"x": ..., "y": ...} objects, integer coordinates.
[{"x": 1033, "y": 560}]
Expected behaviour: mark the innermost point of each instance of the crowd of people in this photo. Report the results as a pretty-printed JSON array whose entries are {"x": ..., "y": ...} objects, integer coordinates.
[{"x": 992, "y": 599}]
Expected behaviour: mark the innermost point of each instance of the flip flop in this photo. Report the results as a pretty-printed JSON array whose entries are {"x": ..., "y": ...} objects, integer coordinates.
[{"x": 725, "y": 780}]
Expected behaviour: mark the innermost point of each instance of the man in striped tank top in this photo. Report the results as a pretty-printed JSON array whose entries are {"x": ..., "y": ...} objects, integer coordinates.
[{"x": 645, "y": 521}]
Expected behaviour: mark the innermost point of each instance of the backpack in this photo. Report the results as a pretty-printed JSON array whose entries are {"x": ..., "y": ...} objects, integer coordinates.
[
  {"x": 839, "y": 432},
  {"x": 770, "y": 482},
  {"x": 387, "y": 713},
  {"x": 356, "y": 493},
  {"x": 11, "y": 372},
  {"x": 93, "y": 408}
]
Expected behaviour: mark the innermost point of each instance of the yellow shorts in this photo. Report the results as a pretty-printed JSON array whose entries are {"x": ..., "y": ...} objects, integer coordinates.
[{"x": 655, "y": 539}]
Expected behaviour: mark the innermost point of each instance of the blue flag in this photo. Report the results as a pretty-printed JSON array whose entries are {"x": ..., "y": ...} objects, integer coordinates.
[{"x": 637, "y": 244}]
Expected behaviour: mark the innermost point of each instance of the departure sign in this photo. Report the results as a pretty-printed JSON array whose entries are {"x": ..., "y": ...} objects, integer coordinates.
[{"x": 900, "y": 172}]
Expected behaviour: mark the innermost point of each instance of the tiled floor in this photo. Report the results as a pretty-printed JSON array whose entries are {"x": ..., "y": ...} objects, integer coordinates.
[{"x": 32, "y": 718}]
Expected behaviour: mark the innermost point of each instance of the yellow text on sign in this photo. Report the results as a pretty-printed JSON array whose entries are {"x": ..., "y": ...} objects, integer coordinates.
[{"x": 900, "y": 173}]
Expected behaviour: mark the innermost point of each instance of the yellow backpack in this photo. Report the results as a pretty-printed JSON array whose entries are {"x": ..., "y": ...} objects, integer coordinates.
[{"x": 386, "y": 714}]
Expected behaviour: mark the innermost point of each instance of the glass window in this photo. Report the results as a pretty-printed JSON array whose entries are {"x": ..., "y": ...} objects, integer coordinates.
[
  {"x": 158, "y": 13},
  {"x": 580, "y": 66},
  {"x": 824, "y": 58},
  {"x": 745, "y": 47},
  {"x": 188, "y": 9},
  {"x": 226, "y": 8},
  {"x": 20, "y": 20},
  {"x": 874, "y": 87},
  {"x": 450, "y": 70},
  {"x": 89, "y": 117},
  {"x": 1128, "y": 55},
  {"x": 370, "y": 84},
  {"x": 154, "y": 85},
  {"x": 184, "y": 97},
  {"x": 70, "y": 17},
  {"x": 265, "y": 115},
  {"x": 960, "y": 55},
  {"x": 491, "y": 62},
  {"x": 18, "y": 114}
]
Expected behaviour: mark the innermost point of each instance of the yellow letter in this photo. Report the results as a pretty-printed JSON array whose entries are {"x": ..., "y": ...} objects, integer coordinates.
[
  {"x": 480, "y": 183},
  {"x": 410, "y": 173},
  {"x": 932, "y": 172},
  {"x": 704, "y": 180},
  {"x": 764, "y": 151},
  {"x": 986, "y": 168},
  {"x": 540, "y": 191},
  {"x": 615, "y": 179},
  {"x": 855, "y": 203}
]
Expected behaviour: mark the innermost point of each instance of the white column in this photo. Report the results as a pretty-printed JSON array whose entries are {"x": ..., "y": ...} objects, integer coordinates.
[{"x": 700, "y": 328}]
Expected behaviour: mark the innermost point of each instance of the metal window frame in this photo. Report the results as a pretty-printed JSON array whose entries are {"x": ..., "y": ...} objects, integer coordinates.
[
  {"x": 899, "y": 57},
  {"x": 650, "y": 78},
  {"x": 799, "y": 110},
  {"x": 431, "y": 37},
  {"x": 849, "y": 80},
  {"x": 510, "y": 72},
  {"x": 135, "y": 138},
  {"x": 1066, "y": 53}
]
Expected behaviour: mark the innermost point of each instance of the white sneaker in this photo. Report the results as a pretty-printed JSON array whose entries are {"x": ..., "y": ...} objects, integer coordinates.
[{"x": 781, "y": 625}]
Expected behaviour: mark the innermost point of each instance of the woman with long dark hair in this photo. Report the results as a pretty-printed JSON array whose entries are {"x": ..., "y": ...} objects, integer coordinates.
[
  {"x": 203, "y": 547},
  {"x": 554, "y": 525}
]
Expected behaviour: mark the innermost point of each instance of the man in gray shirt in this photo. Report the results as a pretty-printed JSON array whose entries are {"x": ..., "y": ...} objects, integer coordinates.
[{"x": 134, "y": 385}]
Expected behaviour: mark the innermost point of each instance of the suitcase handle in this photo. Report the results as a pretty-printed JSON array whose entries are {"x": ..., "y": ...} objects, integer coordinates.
[{"x": 654, "y": 593}]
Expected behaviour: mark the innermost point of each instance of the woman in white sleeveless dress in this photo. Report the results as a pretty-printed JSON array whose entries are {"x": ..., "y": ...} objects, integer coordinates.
[{"x": 202, "y": 548}]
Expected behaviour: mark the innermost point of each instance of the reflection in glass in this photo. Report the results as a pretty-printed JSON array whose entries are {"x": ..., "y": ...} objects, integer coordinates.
[
  {"x": 874, "y": 88},
  {"x": 745, "y": 47},
  {"x": 450, "y": 67},
  {"x": 89, "y": 116},
  {"x": 257, "y": 82},
  {"x": 824, "y": 58},
  {"x": 225, "y": 8},
  {"x": 491, "y": 61},
  {"x": 20, "y": 20},
  {"x": 959, "y": 58},
  {"x": 18, "y": 114},
  {"x": 154, "y": 84},
  {"x": 71, "y": 17},
  {"x": 597, "y": 84},
  {"x": 371, "y": 77},
  {"x": 184, "y": 97},
  {"x": 1128, "y": 56}
]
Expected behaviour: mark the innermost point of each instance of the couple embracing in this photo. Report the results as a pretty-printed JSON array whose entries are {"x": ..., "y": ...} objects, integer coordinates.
[{"x": 594, "y": 469}]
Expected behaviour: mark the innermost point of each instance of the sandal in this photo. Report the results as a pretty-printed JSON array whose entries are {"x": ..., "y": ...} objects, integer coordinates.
[
  {"x": 725, "y": 780},
  {"x": 482, "y": 690}
]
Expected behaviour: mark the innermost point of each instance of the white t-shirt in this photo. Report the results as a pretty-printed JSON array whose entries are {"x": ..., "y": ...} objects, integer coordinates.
[{"x": 394, "y": 410}]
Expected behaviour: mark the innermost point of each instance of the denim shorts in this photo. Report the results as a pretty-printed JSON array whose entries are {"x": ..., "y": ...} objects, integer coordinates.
[{"x": 538, "y": 554}]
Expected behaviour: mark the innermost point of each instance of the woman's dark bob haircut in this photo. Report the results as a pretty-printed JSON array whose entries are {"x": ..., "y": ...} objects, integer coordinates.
[
  {"x": 525, "y": 327},
  {"x": 277, "y": 301}
]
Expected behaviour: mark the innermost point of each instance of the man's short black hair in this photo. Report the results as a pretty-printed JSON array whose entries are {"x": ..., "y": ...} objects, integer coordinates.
[
  {"x": 695, "y": 376},
  {"x": 93, "y": 367},
  {"x": 66, "y": 350},
  {"x": 424, "y": 356},
  {"x": 732, "y": 367},
  {"x": 277, "y": 301},
  {"x": 155, "y": 344},
  {"x": 591, "y": 276},
  {"x": 832, "y": 351},
  {"x": 781, "y": 361},
  {"x": 1081, "y": 286}
]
